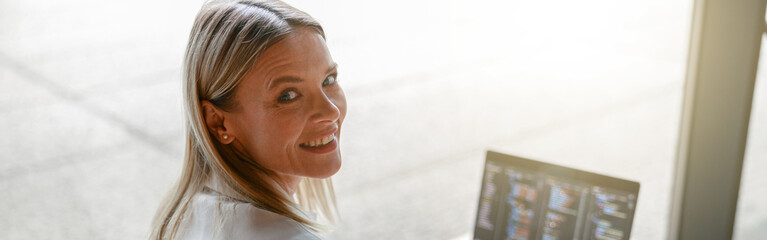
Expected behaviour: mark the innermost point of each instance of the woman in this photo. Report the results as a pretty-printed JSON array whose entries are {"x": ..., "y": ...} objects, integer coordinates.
[{"x": 264, "y": 113}]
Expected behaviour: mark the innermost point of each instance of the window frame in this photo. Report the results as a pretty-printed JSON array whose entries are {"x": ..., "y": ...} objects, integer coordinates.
[{"x": 722, "y": 61}]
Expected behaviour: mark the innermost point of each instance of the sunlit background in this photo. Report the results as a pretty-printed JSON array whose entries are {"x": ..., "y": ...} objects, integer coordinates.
[{"x": 91, "y": 117}]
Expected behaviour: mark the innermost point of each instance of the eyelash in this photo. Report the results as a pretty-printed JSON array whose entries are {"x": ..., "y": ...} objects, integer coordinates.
[
  {"x": 335, "y": 80},
  {"x": 285, "y": 95}
]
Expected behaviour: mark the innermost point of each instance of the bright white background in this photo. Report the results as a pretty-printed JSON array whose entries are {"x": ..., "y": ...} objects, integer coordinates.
[{"x": 92, "y": 124}]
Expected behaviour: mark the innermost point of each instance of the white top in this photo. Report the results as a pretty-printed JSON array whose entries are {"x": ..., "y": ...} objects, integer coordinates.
[{"x": 217, "y": 214}]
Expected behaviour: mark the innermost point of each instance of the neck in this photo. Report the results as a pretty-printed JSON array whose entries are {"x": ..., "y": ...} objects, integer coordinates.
[{"x": 288, "y": 183}]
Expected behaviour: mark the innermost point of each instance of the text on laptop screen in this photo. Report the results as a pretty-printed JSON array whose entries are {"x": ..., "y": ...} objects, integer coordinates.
[{"x": 526, "y": 199}]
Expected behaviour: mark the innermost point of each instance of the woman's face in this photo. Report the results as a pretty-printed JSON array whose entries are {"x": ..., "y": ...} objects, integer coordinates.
[{"x": 290, "y": 109}]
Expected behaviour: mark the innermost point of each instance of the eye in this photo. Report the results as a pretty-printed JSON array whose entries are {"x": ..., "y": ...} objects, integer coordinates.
[
  {"x": 288, "y": 95},
  {"x": 330, "y": 80}
]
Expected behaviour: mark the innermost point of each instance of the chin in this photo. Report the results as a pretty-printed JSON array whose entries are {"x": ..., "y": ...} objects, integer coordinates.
[{"x": 328, "y": 169}]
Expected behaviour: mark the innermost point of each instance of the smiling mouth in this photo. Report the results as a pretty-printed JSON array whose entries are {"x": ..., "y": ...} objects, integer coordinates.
[{"x": 319, "y": 142}]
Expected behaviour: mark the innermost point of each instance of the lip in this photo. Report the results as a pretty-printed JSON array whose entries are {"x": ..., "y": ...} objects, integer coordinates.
[
  {"x": 325, "y": 134},
  {"x": 330, "y": 147}
]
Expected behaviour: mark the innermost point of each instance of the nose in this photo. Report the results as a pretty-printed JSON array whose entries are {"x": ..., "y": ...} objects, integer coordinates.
[{"x": 325, "y": 111}]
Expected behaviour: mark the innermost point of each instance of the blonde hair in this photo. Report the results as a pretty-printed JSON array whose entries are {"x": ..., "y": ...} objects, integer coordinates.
[{"x": 226, "y": 40}]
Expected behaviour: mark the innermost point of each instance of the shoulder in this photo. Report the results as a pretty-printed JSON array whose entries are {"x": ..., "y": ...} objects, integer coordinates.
[{"x": 214, "y": 217}]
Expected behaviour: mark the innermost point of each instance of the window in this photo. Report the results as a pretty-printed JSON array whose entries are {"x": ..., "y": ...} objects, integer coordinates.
[{"x": 594, "y": 85}]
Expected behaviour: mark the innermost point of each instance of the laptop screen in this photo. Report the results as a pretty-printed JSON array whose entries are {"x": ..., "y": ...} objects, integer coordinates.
[{"x": 526, "y": 199}]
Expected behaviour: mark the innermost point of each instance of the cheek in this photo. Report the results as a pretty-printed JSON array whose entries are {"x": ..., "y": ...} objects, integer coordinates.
[
  {"x": 281, "y": 128},
  {"x": 252, "y": 129},
  {"x": 265, "y": 132},
  {"x": 272, "y": 139}
]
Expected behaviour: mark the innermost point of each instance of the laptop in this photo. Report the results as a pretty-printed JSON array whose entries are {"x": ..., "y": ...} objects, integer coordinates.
[{"x": 527, "y": 199}]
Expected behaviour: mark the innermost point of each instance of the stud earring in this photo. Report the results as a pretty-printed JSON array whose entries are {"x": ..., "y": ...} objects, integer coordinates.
[{"x": 226, "y": 136}]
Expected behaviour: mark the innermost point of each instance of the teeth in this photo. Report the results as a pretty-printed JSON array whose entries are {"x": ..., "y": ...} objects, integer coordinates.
[
  {"x": 320, "y": 142},
  {"x": 327, "y": 139}
]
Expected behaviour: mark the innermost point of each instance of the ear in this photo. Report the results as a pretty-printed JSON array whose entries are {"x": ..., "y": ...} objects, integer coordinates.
[{"x": 216, "y": 122}]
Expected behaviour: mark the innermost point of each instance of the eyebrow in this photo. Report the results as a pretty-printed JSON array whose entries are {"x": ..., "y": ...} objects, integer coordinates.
[
  {"x": 292, "y": 79},
  {"x": 333, "y": 67},
  {"x": 286, "y": 79}
]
